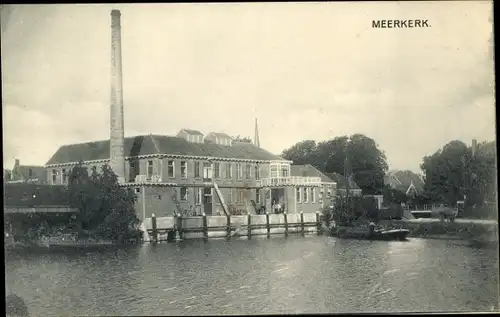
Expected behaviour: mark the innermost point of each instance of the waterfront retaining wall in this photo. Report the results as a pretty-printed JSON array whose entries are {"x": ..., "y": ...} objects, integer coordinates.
[{"x": 207, "y": 227}]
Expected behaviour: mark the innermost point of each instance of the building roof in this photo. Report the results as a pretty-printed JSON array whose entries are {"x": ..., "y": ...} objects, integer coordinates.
[
  {"x": 220, "y": 135},
  {"x": 342, "y": 181},
  {"x": 308, "y": 170},
  {"x": 192, "y": 132},
  {"x": 28, "y": 172},
  {"x": 159, "y": 144},
  {"x": 401, "y": 180}
]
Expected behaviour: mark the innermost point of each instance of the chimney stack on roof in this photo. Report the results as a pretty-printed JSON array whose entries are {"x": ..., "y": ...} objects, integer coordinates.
[
  {"x": 117, "y": 135},
  {"x": 256, "y": 136}
]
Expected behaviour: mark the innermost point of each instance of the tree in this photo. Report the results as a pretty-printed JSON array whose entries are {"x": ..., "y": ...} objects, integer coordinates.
[
  {"x": 452, "y": 173},
  {"x": 242, "y": 139},
  {"x": 106, "y": 209},
  {"x": 366, "y": 162}
]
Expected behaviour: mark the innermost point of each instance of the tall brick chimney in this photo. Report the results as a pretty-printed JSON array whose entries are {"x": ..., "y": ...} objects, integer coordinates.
[{"x": 117, "y": 136}]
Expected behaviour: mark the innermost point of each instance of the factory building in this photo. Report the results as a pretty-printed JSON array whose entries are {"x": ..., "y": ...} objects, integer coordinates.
[{"x": 189, "y": 173}]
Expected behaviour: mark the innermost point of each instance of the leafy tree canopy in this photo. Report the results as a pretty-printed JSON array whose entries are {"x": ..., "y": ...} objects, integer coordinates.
[
  {"x": 242, "y": 139},
  {"x": 453, "y": 172},
  {"x": 358, "y": 155},
  {"x": 106, "y": 209}
]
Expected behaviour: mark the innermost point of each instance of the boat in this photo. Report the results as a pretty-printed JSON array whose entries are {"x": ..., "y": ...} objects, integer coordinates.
[{"x": 368, "y": 232}]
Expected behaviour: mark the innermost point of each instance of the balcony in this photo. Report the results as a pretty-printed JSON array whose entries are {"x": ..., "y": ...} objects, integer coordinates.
[
  {"x": 155, "y": 178},
  {"x": 291, "y": 181}
]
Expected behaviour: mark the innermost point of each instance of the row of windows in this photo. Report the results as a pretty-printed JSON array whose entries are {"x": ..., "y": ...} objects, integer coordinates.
[
  {"x": 62, "y": 175},
  {"x": 305, "y": 195},
  {"x": 209, "y": 170},
  {"x": 234, "y": 195}
]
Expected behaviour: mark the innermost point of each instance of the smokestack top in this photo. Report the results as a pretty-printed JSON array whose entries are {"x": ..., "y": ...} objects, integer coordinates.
[{"x": 115, "y": 13}]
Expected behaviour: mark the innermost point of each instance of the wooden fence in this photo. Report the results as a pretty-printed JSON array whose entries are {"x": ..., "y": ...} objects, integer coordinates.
[{"x": 207, "y": 227}]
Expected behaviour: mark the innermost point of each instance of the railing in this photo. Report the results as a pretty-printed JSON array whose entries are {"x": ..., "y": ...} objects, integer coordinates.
[
  {"x": 155, "y": 178},
  {"x": 292, "y": 180}
]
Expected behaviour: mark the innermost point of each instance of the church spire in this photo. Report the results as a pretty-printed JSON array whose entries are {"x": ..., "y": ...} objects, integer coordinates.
[{"x": 256, "y": 141}]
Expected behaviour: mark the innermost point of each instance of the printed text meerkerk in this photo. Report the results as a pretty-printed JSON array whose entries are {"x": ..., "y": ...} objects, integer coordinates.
[{"x": 389, "y": 24}]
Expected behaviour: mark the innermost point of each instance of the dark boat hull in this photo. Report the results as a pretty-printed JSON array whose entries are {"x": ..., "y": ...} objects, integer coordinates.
[
  {"x": 391, "y": 235},
  {"x": 385, "y": 235}
]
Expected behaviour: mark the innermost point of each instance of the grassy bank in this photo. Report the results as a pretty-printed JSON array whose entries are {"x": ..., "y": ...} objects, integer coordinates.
[{"x": 446, "y": 230}]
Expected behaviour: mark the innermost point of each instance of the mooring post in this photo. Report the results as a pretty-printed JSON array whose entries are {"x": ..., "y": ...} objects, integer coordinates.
[
  {"x": 286, "y": 223},
  {"x": 302, "y": 221},
  {"x": 249, "y": 228},
  {"x": 228, "y": 228},
  {"x": 318, "y": 223},
  {"x": 205, "y": 226},
  {"x": 179, "y": 226},
  {"x": 154, "y": 228},
  {"x": 267, "y": 224}
]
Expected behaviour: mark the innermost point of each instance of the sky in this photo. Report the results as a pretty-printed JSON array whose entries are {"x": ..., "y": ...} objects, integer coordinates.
[{"x": 307, "y": 71}]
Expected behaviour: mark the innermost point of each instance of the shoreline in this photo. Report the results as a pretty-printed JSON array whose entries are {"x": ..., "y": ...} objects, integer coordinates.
[{"x": 474, "y": 233}]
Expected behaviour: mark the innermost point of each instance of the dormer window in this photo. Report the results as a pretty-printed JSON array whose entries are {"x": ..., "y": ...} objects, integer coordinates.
[
  {"x": 191, "y": 135},
  {"x": 219, "y": 138}
]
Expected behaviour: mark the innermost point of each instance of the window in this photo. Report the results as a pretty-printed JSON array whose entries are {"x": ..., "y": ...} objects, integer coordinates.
[
  {"x": 199, "y": 196},
  {"x": 238, "y": 171},
  {"x": 184, "y": 169},
  {"x": 230, "y": 196},
  {"x": 54, "y": 176},
  {"x": 313, "y": 195},
  {"x": 150, "y": 170},
  {"x": 306, "y": 195},
  {"x": 285, "y": 170},
  {"x": 248, "y": 169},
  {"x": 171, "y": 169},
  {"x": 207, "y": 193},
  {"x": 207, "y": 170},
  {"x": 241, "y": 196},
  {"x": 64, "y": 176},
  {"x": 30, "y": 173},
  {"x": 257, "y": 172},
  {"x": 184, "y": 193},
  {"x": 298, "y": 194},
  {"x": 274, "y": 171},
  {"x": 229, "y": 170},
  {"x": 197, "y": 169},
  {"x": 216, "y": 170},
  {"x": 137, "y": 190},
  {"x": 257, "y": 196}
]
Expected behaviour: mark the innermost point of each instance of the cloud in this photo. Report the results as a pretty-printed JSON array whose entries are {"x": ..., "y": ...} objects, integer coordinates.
[{"x": 307, "y": 71}]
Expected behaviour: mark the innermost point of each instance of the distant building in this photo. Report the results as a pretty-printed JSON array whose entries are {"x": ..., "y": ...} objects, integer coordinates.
[
  {"x": 26, "y": 174},
  {"x": 408, "y": 182},
  {"x": 7, "y": 173},
  {"x": 326, "y": 194},
  {"x": 343, "y": 184}
]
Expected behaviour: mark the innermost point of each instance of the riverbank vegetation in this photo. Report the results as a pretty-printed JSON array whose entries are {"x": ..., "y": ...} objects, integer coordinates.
[
  {"x": 106, "y": 210},
  {"x": 456, "y": 172},
  {"x": 463, "y": 231}
]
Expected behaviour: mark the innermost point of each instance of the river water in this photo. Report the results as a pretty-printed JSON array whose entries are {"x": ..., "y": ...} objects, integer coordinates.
[{"x": 314, "y": 274}]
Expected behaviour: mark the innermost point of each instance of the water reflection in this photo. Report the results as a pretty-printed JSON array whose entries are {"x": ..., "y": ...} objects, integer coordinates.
[{"x": 279, "y": 276}]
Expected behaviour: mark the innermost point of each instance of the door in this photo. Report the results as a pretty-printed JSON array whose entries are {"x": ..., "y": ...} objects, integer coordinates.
[{"x": 207, "y": 200}]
